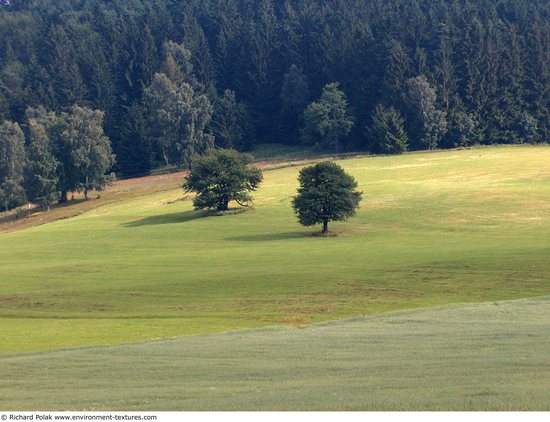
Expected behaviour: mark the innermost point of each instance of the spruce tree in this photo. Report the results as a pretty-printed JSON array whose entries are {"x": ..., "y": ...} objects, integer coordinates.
[
  {"x": 386, "y": 131},
  {"x": 230, "y": 122},
  {"x": 294, "y": 99}
]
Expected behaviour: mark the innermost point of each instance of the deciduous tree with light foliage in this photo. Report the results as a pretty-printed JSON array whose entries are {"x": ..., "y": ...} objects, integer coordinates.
[
  {"x": 12, "y": 162},
  {"x": 178, "y": 117},
  {"x": 91, "y": 153},
  {"x": 327, "y": 121},
  {"x": 41, "y": 177}
]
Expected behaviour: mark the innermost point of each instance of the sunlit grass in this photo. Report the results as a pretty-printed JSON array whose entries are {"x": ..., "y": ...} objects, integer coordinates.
[{"x": 433, "y": 229}]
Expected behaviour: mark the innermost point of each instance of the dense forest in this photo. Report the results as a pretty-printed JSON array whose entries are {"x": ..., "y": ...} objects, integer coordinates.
[{"x": 171, "y": 78}]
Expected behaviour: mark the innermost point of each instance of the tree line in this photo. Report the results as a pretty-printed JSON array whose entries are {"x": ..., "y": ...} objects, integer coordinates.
[
  {"x": 51, "y": 155},
  {"x": 174, "y": 78}
]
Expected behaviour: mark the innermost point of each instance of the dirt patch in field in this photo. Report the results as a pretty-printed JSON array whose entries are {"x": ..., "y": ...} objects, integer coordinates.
[{"x": 308, "y": 310}]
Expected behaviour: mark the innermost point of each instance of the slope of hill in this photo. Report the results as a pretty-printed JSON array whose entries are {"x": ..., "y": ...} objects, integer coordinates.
[{"x": 434, "y": 228}]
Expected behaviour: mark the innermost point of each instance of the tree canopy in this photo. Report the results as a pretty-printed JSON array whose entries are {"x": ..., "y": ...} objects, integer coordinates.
[
  {"x": 459, "y": 73},
  {"x": 12, "y": 164},
  {"x": 327, "y": 121},
  {"x": 387, "y": 132},
  {"x": 326, "y": 193},
  {"x": 221, "y": 176},
  {"x": 41, "y": 177}
]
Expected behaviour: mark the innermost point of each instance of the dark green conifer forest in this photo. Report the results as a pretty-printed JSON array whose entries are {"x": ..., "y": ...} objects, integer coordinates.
[{"x": 173, "y": 78}]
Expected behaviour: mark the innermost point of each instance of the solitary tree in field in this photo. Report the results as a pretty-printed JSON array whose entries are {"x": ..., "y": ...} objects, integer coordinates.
[
  {"x": 326, "y": 193},
  {"x": 221, "y": 176}
]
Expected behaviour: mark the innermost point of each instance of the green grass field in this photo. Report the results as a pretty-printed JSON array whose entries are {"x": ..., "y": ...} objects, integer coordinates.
[
  {"x": 433, "y": 229},
  {"x": 490, "y": 356}
]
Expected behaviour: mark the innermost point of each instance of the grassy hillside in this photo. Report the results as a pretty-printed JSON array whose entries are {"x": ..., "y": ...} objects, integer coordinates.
[
  {"x": 490, "y": 356},
  {"x": 433, "y": 229}
]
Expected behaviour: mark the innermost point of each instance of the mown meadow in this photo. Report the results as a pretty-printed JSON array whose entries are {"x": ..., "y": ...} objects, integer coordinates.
[{"x": 437, "y": 228}]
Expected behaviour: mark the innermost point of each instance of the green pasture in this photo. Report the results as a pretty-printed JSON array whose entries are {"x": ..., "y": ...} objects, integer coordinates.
[
  {"x": 433, "y": 229},
  {"x": 484, "y": 356}
]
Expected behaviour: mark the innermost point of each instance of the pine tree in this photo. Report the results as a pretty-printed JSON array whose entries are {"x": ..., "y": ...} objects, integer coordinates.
[
  {"x": 135, "y": 145},
  {"x": 386, "y": 131},
  {"x": 397, "y": 67},
  {"x": 230, "y": 122},
  {"x": 294, "y": 99}
]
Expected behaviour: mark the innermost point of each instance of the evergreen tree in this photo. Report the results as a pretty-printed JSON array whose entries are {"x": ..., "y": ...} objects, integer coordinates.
[
  {"x": 294, "y": 99},
  {"x": 386, "y": 132},
  {"x": 12, "y": 164},
  {"x": 486, "y": 60},
  {"x": 201, "y": 56},
  {"x": 397, "y": 67},
  {"x": 230, "y": 123},
  {"x": 463, "y": 129},
  {"x": 327, "y": 122},
  {"x": 135, "y": 149}
]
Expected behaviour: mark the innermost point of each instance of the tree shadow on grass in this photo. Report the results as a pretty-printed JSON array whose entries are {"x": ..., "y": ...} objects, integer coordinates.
[
  {"x": 268, "y": 237},
  {"x": 173, "y": 218}
]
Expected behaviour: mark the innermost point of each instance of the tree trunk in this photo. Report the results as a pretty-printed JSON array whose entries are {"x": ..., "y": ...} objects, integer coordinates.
[
  {"x": 224, "y": 206},
  {"x": 165, "y": 156},
  {"x": 85, "y": 194},
  {"x": 64, "y": 197},
  {"x": 325, "y": 228}
]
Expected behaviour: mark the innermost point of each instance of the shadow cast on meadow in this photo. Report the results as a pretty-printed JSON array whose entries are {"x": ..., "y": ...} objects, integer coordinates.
[
  {"x": 267, "y": 237},
  {"x": 172, "y": 218}
]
